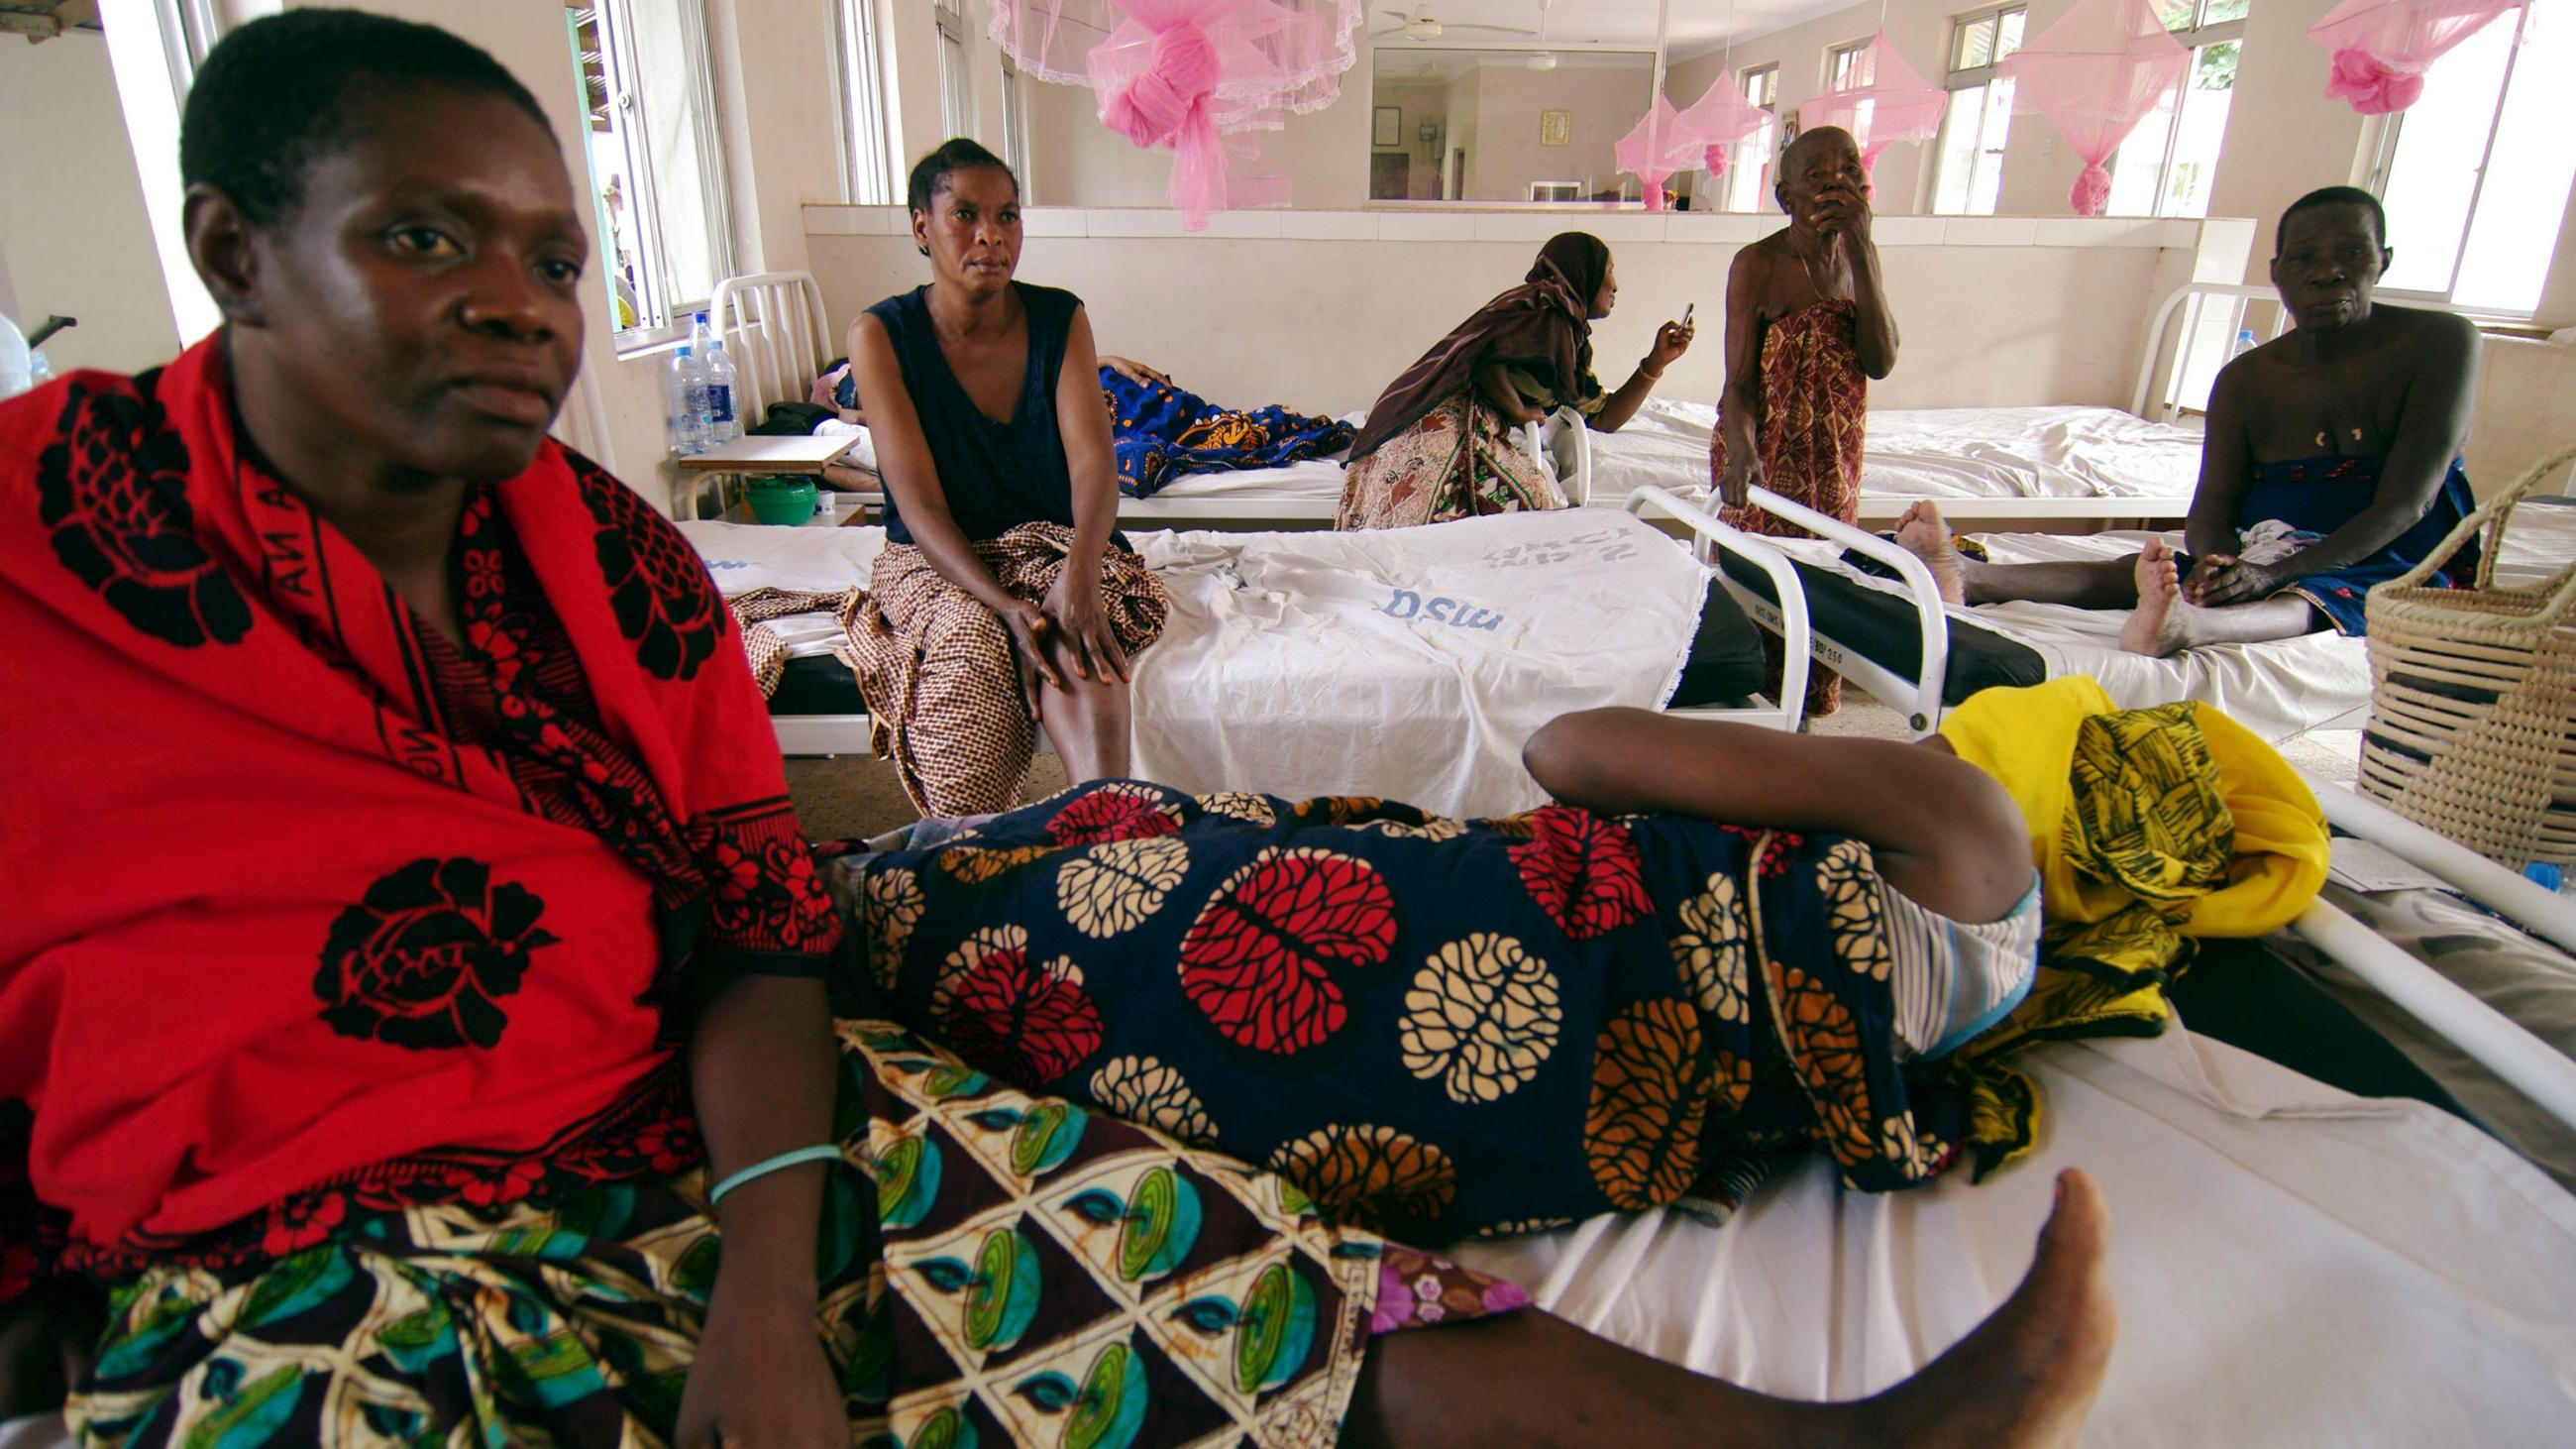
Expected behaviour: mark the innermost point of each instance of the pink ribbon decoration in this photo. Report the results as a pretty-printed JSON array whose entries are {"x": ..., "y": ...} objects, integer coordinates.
[
  {"x": 1883, "y": 101},
  {"x": 2381, "y": 48},
  {"x": 1199, "y": 78},
  {"x": 1721, "y": 118},
  {"x": 1656, "y": 147},
  {"x": 2103, "y": 67}
]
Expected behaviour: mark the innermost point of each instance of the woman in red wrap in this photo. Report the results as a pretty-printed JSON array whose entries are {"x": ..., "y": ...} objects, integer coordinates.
[{"x": 413, "y": 977}]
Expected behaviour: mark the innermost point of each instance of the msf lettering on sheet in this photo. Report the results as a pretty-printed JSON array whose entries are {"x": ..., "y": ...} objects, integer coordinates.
[
  {"x": 1602, "y": 545},
  {"x": 1406, "y": 604}
]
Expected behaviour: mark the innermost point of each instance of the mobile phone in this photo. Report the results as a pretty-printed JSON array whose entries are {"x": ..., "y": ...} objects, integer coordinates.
[{"x": 1687, "y": 311}]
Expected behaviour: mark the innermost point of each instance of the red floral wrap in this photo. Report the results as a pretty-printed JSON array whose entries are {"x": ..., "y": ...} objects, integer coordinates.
[{"x": 305, "y": 909}]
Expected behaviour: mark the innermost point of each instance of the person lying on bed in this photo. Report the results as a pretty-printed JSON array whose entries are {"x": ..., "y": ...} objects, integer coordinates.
[
  {"x": 1807, "y": 330},
  {"x": 1160, "y": 431},
  {"x": 1004, "y": 598},
  {"x": 2331, "y": 463},
  {"x": 558, "y": 1143},
  {"x": 1439, "y": 442}
]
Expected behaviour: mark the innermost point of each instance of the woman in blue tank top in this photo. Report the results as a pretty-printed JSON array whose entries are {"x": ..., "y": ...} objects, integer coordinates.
[{"x": 1005, "y": 598}]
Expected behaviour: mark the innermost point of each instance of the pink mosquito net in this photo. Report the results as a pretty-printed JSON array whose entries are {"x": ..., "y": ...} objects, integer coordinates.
[
  {"x": 2103, "y": 67},
  {"x": 1721, "y": 118},
  {"x": 1658, "y": 146},
  {"x": 1883, "y": 101},
  {"x": 2382, "y": 48},
  {"x": 1199, "y": 78}
]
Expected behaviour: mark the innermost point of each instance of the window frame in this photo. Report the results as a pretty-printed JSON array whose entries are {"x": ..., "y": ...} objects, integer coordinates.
[
  {"x": 645, "y": 200},
  {"x": 956, "y": 79},
  {"x": 2200, "y": 36},
  {"x": 1984, "y": 76},
  {"x": 2383, "y": 165},
  {"x": 865, "y": 135},
  {"x": 1769, "y": 76},
  {"x": 1015, "y": 127},
  {"x": 1837, "y": 55}
]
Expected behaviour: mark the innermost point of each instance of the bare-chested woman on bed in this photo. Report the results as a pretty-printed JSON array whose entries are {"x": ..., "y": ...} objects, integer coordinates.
[
  {"x": 1807, "y": 330},
  {"x": 2331, "y": 463}
]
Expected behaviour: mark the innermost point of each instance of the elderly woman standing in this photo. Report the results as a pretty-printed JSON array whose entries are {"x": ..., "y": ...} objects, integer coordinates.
[
  {"x": 1438, "y": 444},
  {"x": 1004, "y": 597}
]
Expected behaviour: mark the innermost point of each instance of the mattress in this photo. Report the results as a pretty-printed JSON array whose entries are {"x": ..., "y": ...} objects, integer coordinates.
[
  {"x": 1437, "y": 650},
  {"x": 2293, "y": 1265},
  {"x": 1942, "y": 454}
]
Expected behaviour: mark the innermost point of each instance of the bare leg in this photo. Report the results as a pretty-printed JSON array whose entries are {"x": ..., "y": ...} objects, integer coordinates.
[
  {"x": 2026, "y": 1377},
  {"x": 1092, "y": 725},
  {"x": 2164, "y": 625},
  {"x": 2104, "y": 584}
]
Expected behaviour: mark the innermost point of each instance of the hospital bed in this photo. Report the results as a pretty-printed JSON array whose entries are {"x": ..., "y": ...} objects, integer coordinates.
[
  {"x": 1437, "y": 650},
  {"x": 2037, "y": 462},
  {"x": 1895, "y": 639},
  {"x": 2293, "y": 1264}
]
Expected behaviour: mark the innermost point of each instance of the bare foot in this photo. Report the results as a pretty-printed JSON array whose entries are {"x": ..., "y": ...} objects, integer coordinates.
[
  {"x": 1923, "y": 533},
  {"x": 2156, "y": 626},
  {"x": 2029, "y": 1374}
]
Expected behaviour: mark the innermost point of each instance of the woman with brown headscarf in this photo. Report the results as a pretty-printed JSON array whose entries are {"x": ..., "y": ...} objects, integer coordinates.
[{"x": 1438, "y": 445}]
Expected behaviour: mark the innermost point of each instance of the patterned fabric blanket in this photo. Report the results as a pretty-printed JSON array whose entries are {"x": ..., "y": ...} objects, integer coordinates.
[{"x": 1163, "y": 432}]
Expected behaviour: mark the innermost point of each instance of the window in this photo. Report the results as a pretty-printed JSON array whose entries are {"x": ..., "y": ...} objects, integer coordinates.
[
  {"x": 860, "y": 70},
  {"x": 2476, "y": 173},
  {"x": 1015, "y": 128},
  {"x": 1971, "y": 158},
  {"x": 956, "y": 83},
  {"x": 1748, "y": 172},
  {"x": 657, "y": 175},
  {"x": 2169, "y": 163},
  {"x": 1839, "y": 62}
]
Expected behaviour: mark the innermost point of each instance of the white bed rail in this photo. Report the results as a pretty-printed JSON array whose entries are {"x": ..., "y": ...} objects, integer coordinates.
[
  {"x": 772, "y": 325},
  {"x": 2194, "y": 300},
  {"x": 2531, "y": 1065},
  {"x": 1795, "y": 656},
  {"x": 2542, "y": 912},
  {"x": 1919, "y": 697}
]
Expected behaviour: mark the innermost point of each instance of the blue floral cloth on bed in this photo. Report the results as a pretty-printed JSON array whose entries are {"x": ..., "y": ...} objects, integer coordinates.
[
  {"x": 2316, "y": 496},
  {"x": 1163, "y": 432}
]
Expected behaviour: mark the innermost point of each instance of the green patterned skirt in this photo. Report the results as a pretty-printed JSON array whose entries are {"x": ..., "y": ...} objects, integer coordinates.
[{"x": 997, "y": 1268}]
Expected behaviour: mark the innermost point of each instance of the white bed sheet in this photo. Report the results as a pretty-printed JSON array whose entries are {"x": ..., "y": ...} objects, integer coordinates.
[
  {"x": 2293, "y": 1265},
  {"x": 1410, "y": 663},
  {"x": 1936, "y": 453}
]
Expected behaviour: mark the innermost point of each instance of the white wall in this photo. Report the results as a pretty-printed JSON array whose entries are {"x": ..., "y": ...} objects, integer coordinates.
[
  {"x": 1321, "y": 310},
  {"x": 1605, "y": 101},
  {"x": 72, "y": 224}
]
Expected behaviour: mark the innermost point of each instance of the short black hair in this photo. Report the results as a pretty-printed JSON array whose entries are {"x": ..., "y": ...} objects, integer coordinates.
[
  {"x": 275, "y": 96},
  {"x": 2325, "y": 196},
  {"x": 954, "y": 154}
]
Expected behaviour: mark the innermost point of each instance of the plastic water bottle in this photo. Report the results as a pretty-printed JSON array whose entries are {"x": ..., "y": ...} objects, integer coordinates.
[
  {"x": 686, "y": 398},
  {"x": 17, "y": 365},
  {"x": 2245, "y": 343},
  {"x": 723, "y": 426}
]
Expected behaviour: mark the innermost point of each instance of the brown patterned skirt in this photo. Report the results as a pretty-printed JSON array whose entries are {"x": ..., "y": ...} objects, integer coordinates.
[
  {"x": 1457, "y": 462},
  {"x": 939, "y": 673}
]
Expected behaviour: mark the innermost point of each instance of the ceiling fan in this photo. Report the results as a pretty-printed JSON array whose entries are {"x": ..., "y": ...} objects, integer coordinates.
[{"x": 1423, "y": 25}]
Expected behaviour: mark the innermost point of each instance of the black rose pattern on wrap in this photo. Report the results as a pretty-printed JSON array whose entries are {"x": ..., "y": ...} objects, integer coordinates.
[
  {"x": 666, "y": 605},
  {"x": 423, "y": 960},
  {"x": 112, "y": 494}
]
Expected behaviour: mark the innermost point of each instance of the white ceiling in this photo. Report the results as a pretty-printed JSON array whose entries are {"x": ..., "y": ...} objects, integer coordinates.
[{"x": 1697, "y": 25}]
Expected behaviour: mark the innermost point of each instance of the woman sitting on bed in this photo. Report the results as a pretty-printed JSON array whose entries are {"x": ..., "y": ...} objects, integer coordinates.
[
  {"x": 492, "y": 1096},
  {"x": 1004, "y": 598},
  {"x": 1439, "y": 442}
]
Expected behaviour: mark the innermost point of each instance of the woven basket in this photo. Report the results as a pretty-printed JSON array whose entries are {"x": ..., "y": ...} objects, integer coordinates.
[{"x": 2473, "y": 698}]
